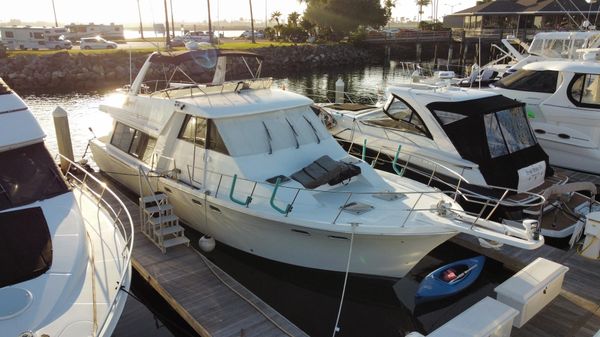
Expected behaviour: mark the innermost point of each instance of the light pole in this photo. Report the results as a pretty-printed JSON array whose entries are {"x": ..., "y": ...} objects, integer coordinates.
[
  {"x": 452, "y": 6},
  {"x": 54, "y": 10},
  {"x": 140, "y": 16}
]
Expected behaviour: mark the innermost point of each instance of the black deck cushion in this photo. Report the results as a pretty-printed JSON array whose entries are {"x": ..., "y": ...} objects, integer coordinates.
[
  {"x": 325, "y": 170},
  {"x": 25, "y": 245}
]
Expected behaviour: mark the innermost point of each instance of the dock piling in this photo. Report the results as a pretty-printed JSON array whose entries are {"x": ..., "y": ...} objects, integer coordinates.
[{"x": 63, "y": 136}]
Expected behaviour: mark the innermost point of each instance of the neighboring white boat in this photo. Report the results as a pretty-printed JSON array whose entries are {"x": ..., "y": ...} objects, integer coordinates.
[
  {"x": 563, "y": 105},
  {"x": 254, "y": 167},
  {"x": 476, "y": 141},
  {"x": 64, "y": 252},
  {"x": 555, "y": 46},
  {"x": 479, "y": 137}
]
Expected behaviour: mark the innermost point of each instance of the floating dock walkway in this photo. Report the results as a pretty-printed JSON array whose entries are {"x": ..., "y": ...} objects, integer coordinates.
[
  {"x": 208, "y": 299},
  {"x": 576, "y": 311}
]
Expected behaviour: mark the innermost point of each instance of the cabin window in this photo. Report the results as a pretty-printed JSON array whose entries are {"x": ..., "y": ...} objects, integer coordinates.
[
  {"x": 37, "y": 35},
  {"x": 584, "y": 90},
  {"x": 401, "y": 116},
  {"x": 134, "y": 142},
  {"x": 28, "y": 174},
  {"x": 194, "y": 130},
  {"x": 543, "y": 81},
  {"x": 215, "y": 142},
  {"x": 507, "y": 131},
  {"x": 8, "y": 34}
]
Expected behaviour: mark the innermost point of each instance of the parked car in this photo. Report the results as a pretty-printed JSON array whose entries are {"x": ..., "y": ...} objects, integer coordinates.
[
  {"x": 248, "y": 35},
  {"x": 96, "y": 43}
]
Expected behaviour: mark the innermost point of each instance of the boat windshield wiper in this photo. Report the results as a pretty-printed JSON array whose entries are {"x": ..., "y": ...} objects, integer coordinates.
[
  {"x": 313, "y": 128},
  {"x": 269, "y": 139},
  {"x": 294, "y": 132}
]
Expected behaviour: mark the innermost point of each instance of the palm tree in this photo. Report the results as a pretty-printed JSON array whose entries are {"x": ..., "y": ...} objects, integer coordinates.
[
  {"x": 421, "y": 4},
  {"x": 293, "y": 18},
  {"x": 275, "y": 16}
]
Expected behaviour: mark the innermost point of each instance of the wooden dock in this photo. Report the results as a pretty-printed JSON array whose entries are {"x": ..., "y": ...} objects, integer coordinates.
[
  {"x": 208, "y": 299},
  {"x": 576, "y": 311}
]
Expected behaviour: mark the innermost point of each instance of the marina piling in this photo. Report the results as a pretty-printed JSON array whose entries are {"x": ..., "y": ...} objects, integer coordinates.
[{"x": 63, "y": 136}]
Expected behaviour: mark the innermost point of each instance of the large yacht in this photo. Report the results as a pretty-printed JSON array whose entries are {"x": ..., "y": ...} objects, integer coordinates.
[
  {"x": 255, "y": 168},
  {"x": 563, "y": 105},
  {"x": 65, "y": 252}
]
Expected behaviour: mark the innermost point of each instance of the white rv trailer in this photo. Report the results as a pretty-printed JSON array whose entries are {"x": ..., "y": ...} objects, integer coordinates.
[
  {"x": 110, "y": 32},
  {"x": 23, "y": 38}
]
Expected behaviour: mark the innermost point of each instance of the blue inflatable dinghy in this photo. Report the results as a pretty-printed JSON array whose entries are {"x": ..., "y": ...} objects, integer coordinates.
[{"x": 450, "y": 279}]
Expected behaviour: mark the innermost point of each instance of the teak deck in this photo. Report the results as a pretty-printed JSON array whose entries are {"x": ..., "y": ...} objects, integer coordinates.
[{"x": 208, "y": 299}]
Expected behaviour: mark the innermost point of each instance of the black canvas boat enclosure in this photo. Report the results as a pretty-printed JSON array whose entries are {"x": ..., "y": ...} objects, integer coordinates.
[
  {"x": 473, "y": 124},
  {"x": 25, "y": 245}
]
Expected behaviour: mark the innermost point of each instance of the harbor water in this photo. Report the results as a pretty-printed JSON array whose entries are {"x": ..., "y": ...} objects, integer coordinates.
[{"x": 309, "y": 298}]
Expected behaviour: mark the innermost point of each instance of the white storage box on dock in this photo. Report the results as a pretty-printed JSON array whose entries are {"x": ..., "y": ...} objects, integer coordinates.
[
  {"x": 486, "y": 318},
  {"x": 532, "y": 288}
]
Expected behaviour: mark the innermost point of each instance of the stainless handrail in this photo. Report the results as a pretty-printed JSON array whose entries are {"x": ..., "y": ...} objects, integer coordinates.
[
  {"x": 126, "y": 230},
  {"x": 471, "y": 197}
]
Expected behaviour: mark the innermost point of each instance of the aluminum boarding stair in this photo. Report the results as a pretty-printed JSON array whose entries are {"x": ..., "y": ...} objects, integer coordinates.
[{"x": 159, "y": 223}]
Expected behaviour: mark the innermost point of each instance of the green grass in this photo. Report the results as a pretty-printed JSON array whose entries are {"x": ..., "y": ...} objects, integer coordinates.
[
  {"x": 233, "y": 44},
  {"x": 245, "y": 44}
]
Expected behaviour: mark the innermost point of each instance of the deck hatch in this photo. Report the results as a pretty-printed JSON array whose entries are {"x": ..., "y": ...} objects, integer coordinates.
[{"x": 357, "y": 208}]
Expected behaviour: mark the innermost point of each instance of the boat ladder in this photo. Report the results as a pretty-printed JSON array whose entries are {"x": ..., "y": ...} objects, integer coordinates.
[{"x": 158, "y": 222}]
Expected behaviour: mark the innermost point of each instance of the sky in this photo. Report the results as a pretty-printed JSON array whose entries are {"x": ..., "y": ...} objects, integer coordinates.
[{"x": 126, "y": 11}]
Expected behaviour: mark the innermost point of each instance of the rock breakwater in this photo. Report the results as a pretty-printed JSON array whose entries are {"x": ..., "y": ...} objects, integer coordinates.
[{"x": 63, "y": 72}]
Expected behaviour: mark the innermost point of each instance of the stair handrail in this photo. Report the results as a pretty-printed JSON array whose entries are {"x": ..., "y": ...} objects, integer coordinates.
[
  {"x": 234, "y": 199},
  {"x": 146, "y": 179}
]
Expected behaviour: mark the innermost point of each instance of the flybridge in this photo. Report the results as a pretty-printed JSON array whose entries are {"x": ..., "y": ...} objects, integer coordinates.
[{"x": 188, "y": 72}]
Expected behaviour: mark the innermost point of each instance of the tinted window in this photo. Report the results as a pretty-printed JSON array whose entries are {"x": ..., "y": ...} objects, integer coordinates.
[
  {"x": 194, "y": 130},
  {"x": 122, "y": 137},
  {"x": 585, "y": 90},
  {"x": 28, "y": 174},
  {"x": 400, "y": 116},
  {"x": 134, "y": 142},
  {"x": 215, "y": 142},
  {"x": 9, "y": 34},
  {"x": 530, "y": 80}
]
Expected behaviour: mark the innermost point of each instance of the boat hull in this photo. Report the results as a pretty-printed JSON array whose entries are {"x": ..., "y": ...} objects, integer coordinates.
[{"x": 387, "y": 255}]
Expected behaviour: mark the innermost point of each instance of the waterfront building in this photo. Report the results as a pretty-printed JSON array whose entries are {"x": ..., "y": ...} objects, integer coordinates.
[{"x": 522, "y": 18}]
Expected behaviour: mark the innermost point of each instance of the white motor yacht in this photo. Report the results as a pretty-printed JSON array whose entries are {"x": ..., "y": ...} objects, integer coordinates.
[
  {"x": 563, "y": 105},
  {"x": 64, "y": 251},
  {"x": 476, "y": 141},
  {"x": 255, "y": 168}
]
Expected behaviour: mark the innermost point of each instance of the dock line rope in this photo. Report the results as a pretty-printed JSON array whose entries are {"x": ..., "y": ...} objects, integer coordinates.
[
  {"x": 337, "y": 320},
  {"x": 208, "y": 264}
]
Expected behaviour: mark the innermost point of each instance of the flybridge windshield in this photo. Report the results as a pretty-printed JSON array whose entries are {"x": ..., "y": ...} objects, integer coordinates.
[
  {"x": 210, "y": 67},
  {"x": 28, "y": 174}
]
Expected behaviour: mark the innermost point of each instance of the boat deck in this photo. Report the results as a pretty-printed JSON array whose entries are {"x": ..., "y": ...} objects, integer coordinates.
[
  {"x": 208, "y": 299},
  {"x": 576, "y": 311}
]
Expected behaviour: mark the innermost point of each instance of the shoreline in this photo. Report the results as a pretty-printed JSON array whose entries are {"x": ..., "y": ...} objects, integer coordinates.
[{"x": 62, "y": 72}]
